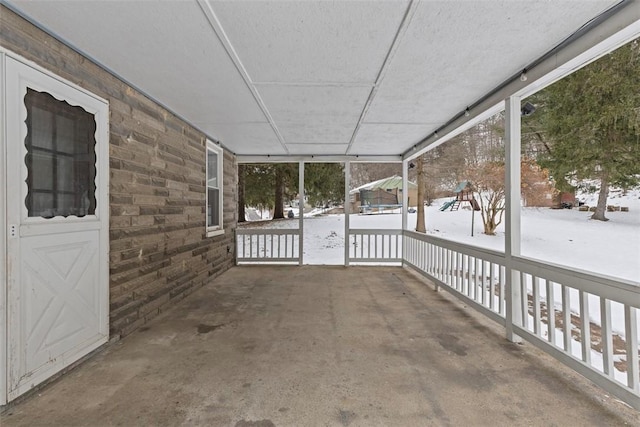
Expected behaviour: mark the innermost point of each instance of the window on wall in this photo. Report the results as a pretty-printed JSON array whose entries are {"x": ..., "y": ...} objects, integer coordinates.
[{"x": 214, "y": 189}]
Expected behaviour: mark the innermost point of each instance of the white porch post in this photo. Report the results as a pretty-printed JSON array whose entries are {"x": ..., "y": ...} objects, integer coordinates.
[
  {"x": 512, "y": 215},
  {"x": 405, "y": 205},
  {"x": 405, "y": 194},
  {"x": 301, "y": 211},
  {"x": 347, "y": 210}
]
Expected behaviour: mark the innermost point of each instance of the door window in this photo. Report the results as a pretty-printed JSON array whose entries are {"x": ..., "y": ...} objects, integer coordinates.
[{"x": 61, "y": 158}]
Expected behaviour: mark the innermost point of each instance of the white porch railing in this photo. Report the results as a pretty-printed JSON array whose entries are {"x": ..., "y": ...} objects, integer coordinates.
[
  {"x": 475, "y": 275},
  {"x": 586, "y": 321},
  {"x": 267, "y": 245},
  {"x": 375, "y": 246}
]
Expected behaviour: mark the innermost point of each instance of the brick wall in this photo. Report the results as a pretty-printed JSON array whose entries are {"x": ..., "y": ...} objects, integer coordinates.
[{"x": 159, "y": 251}]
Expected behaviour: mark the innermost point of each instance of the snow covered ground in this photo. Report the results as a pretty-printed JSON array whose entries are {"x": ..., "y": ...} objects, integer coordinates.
[{"x": 560, "y": 236}]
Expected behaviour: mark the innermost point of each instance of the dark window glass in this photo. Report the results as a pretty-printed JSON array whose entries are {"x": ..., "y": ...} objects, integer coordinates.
[
  {"x": 213, "y": 190},
  {"x": 61, "y": 157}
]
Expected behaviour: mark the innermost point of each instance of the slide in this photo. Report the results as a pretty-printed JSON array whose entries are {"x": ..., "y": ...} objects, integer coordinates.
[{"x": 447, "y": 205}]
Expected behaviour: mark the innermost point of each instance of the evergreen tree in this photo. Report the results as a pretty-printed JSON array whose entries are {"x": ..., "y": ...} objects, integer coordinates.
[
  {"x": 324, "y": 183},
  {"x": 259, "y": 181},
  {"x": 589, "y": 123},
  {"x": 241, "y": 201}
]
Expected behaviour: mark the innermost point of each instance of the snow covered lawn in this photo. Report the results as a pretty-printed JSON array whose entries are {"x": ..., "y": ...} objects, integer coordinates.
[{"x": 560, "y": 236}]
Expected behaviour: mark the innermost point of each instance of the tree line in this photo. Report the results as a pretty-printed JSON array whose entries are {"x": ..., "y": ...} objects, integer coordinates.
[{"x": 269, "y": 186}]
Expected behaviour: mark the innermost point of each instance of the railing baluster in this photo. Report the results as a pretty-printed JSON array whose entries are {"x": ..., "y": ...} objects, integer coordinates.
[
  {"x": 476, "y": 276},
  {"x": 566, "y": 318},
  {"x": 524, "y": 300},
  {"x": 483, "y": 278},
  {"x": 631, "y": 335},
  {"x": 472, "y": 277},
  {"x": 501, "y": 275},
  {"x": 492, "y": 299},
  {"x": 551, "y": 312},
  {"x": 465, "y": 276},
  {"x": 279, "y": 251},
  {"x": 286, "y": 246},
  {"x": 375, "y": 247},
  {"x": 459, "y": 268},
  {"x": 607, "y": 337},
  {"x": 535, "y": 288},
  {"x": 456, "y": 272},
  {"x": 585, "y": 327}
]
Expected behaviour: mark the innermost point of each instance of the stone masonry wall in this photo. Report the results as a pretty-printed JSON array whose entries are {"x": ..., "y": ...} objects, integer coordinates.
[{"x": 159, "y": 251}]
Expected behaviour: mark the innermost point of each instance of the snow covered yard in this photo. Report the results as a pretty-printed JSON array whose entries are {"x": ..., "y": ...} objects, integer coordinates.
[{"x": 559, "y": 236}]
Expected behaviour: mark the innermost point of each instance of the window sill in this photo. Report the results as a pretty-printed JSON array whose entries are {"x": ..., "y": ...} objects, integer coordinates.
[{"x": 213, "y": 233}]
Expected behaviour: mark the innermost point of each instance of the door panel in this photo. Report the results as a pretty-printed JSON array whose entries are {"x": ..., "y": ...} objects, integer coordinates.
[
  {"x": 58, "y": 297},
  {"x": 57, "y": 176}
]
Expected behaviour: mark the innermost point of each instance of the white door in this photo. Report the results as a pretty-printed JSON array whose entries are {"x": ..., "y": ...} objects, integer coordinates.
[{"x": 57, "y": 217}]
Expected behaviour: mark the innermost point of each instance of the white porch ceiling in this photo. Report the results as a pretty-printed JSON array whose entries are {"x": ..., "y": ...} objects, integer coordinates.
[{"x": 314, "y": 77}]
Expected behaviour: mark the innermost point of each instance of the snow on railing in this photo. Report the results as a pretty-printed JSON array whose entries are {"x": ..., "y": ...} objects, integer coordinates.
[
  {"x": 591, "y": 326},
  {"x": 375, "y": 246},
  {"x": 267, "y": 245}
]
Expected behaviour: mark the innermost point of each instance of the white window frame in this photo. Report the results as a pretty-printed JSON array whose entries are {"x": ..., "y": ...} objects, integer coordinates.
[{"x": 215, "y": 230}]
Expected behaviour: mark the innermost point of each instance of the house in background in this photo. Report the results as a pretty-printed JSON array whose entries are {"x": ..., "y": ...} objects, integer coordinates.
[{"x": 382, "y": 194}]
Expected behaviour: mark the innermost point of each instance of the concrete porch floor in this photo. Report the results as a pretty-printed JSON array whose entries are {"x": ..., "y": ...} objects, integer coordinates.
[{"x": 307, "y": 346}]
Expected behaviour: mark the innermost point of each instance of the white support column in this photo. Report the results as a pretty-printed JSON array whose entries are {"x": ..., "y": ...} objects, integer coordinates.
[
  {"x": 512, "y": 215},
  {"x": 405, "y": 205},
  {"x": 405, "y": 194},
  {"x": 301, "y": 210},
  {"x": 347, "y": 210}
]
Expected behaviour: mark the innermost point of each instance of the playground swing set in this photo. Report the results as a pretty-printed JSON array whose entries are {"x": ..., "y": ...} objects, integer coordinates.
[{"x": 464, "y": 193}]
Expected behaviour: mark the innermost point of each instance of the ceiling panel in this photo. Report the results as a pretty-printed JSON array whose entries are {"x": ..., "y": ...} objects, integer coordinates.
[
  {"x": 315, "y": 114},
  {"x": 387, "y": 138},
  {"x": 318, "y": 149},
  {"x": 314, "y": 104},
  {"x": 301, "y": 133},
  {"x": 311, "y": 41},
  {"x": 455, "y": 52},
  {"x": 166, "y": 48},
  {"x": 246, "y": 138}
]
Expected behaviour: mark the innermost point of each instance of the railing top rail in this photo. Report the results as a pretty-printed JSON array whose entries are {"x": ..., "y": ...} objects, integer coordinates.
[
  {"x": 385, "y": 231},
  {"x": 267, "y": 231},
  {"x": 623, "y": 291},
  {"x": 488, "y": 254}
]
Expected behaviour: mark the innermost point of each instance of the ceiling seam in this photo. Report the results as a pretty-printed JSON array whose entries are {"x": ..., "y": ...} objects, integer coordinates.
[
  {"x": 402, "y": 29},
  {"x": 316, "y": 84},
  {"x": 216, "y": 26}
]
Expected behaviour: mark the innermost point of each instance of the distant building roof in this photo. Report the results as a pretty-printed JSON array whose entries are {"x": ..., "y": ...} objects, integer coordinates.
[{"x": 389, "y": 183}]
